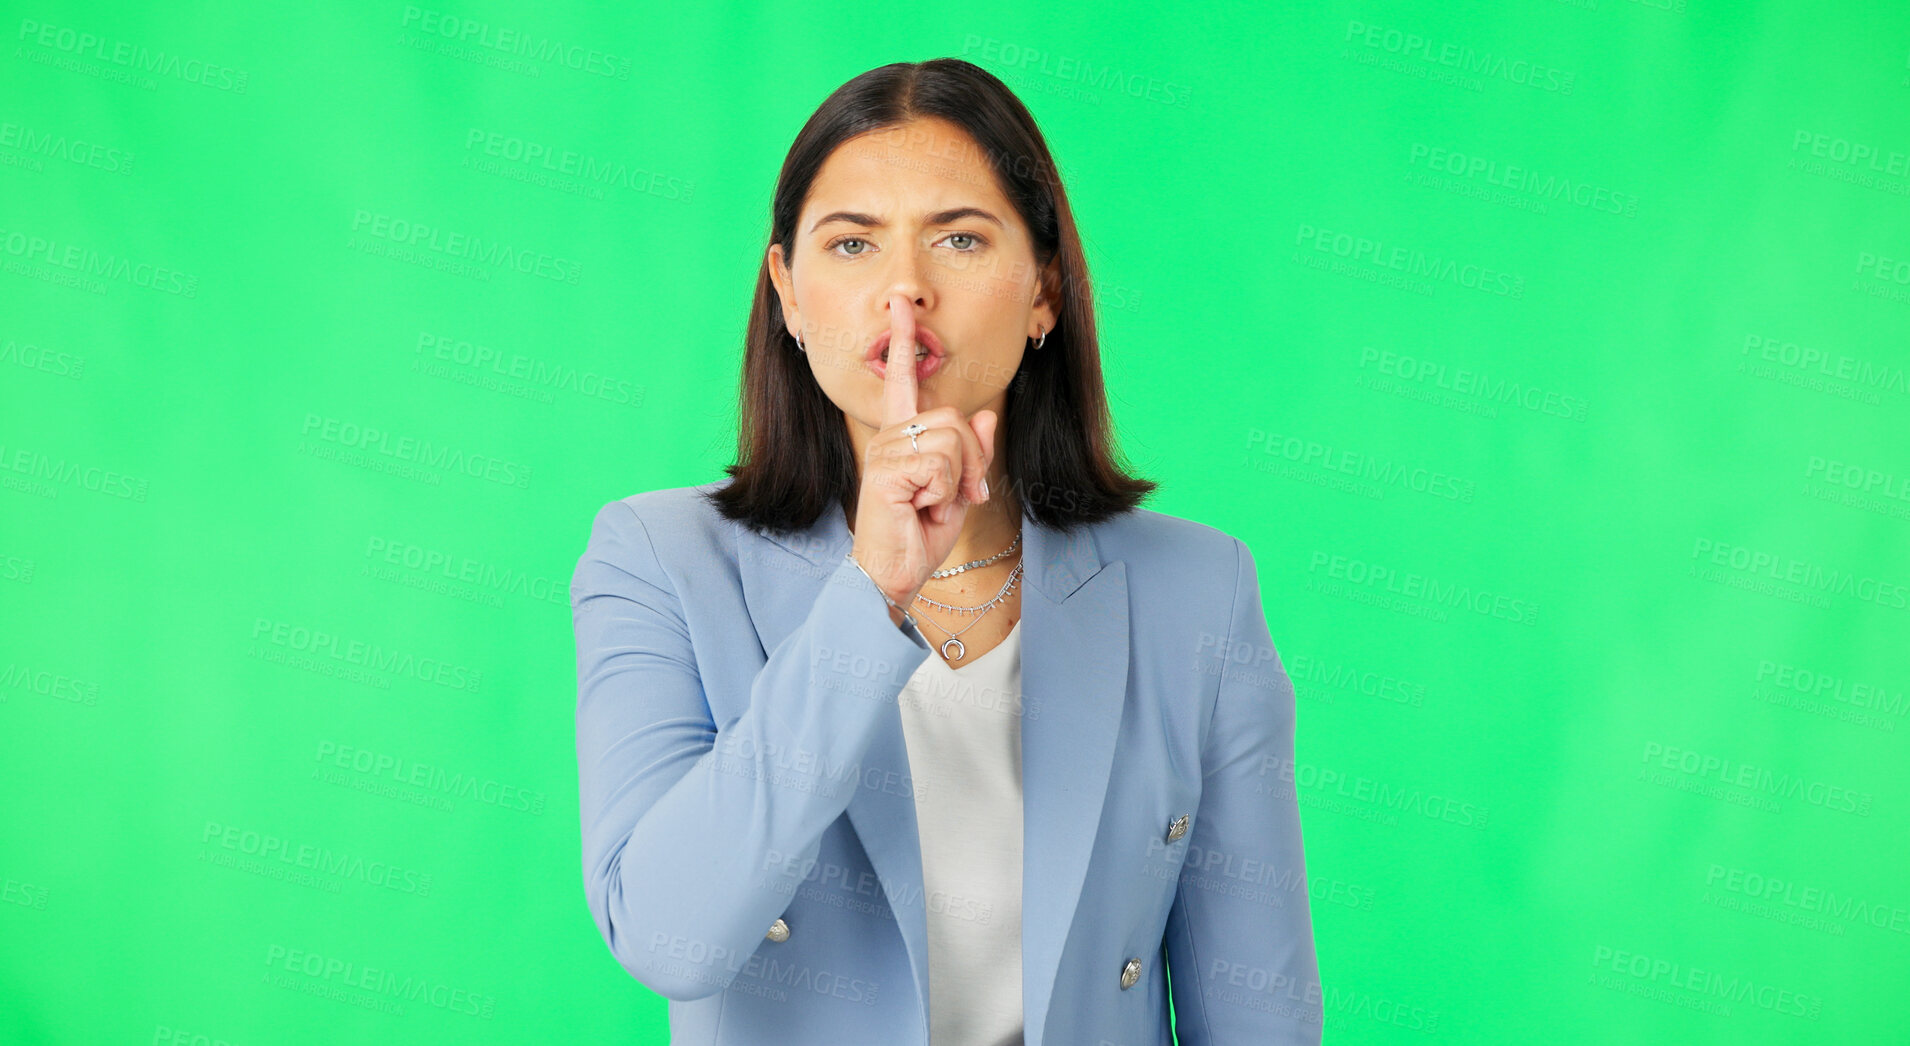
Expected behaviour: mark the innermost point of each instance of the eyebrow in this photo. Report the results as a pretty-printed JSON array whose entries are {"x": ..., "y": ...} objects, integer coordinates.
[{"x": 870, "y": 221}]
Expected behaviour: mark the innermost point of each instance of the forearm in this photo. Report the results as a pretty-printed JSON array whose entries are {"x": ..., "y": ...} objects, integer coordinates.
[{"x": 696, "y": 843}]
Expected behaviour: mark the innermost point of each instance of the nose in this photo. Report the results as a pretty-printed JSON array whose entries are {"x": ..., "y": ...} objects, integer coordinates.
[
  {"x": 906, "y": 281},
  {"x": 903, "y": 299}
]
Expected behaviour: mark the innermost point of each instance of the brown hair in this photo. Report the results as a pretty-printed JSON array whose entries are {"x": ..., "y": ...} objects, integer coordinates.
[{"x": 794, "y": 458}]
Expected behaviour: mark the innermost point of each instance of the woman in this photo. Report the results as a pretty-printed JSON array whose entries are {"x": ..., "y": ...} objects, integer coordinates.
[{"x": 836, "y": 787}]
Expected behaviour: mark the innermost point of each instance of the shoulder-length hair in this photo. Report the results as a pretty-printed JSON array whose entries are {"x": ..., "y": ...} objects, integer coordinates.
[{"x": 794, "y": 458}]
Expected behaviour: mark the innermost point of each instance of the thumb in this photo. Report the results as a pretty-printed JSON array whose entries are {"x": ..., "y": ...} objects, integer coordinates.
[{"x": 984, "y": 423}]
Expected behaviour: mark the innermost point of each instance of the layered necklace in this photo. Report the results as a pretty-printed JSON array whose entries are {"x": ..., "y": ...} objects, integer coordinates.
[{"x": 952, "y": 648}]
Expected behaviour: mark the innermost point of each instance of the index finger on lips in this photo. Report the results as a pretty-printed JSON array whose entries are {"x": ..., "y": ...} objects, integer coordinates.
[{"x": 899, "y": 402}]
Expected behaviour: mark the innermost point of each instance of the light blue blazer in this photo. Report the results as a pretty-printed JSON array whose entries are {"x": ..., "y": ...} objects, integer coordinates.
[{"x": 750, "y": 849}]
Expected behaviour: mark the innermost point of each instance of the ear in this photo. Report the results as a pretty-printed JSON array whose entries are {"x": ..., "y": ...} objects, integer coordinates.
[
  {"x": 785, "y": 287},
  {"x": 1046, "y": 309}
]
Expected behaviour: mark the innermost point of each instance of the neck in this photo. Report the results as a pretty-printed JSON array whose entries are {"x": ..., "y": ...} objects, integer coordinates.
[{"x": 987, "y": 529}]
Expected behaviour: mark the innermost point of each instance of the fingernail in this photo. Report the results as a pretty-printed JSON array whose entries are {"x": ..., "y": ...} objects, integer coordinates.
[{"x": 984, "y": 488}]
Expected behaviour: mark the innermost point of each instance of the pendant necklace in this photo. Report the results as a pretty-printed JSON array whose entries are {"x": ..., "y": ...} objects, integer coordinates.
[{"x": 952, "y": 648}]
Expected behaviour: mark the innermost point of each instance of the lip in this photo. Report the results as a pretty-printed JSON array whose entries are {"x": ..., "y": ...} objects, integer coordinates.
[{"x": 923, "y": 368}]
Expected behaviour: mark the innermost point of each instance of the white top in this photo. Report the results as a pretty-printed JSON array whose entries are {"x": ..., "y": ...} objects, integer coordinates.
[{"x": 963, "y": 731}]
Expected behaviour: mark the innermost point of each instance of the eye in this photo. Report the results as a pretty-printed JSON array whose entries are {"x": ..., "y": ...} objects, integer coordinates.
[
  {"x": 977, "y": 241},
  {"x": 831, "y": 246}
]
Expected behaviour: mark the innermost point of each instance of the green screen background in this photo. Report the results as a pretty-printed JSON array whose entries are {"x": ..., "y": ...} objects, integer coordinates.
[{"x": 1548, "y": 356}]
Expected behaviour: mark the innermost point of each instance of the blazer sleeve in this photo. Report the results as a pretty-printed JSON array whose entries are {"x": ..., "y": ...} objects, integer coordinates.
[
  {"x": 1239, "y": 937},
  {"x": 691, "y": 849}
]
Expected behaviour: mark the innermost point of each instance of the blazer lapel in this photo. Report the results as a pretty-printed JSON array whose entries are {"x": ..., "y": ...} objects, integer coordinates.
[
  {"x": 1074, "y": 656},
  {"x": 1074, "y": 661}
]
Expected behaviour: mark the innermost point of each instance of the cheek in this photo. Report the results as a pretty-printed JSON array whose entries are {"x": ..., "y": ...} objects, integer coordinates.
[
  {"x": 826, "y": 307},
  {"x": 988, "y": 372}
]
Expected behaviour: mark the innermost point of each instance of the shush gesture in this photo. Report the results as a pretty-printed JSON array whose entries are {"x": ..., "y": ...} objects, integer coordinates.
[{"x": 916, "y": 491}]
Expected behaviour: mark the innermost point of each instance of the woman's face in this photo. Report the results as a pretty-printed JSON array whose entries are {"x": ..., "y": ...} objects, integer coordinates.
[{"x": 913, "y": 209}]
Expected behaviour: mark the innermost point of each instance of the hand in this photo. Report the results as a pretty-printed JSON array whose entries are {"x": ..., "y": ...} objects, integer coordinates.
[{"x": 912, "y": 503}]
